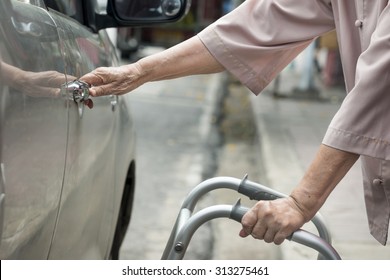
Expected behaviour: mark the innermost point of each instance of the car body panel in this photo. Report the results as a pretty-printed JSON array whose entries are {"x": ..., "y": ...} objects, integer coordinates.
[
  {"x": 63, "y": 166},
  {"x": 83, "y": 230},
  {"x": 33, "y": 133}
]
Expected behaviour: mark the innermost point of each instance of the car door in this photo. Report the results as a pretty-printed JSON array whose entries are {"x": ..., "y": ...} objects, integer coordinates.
[
  {"x": 86, "y": 217},
  {"x": 33, "y": 127}
]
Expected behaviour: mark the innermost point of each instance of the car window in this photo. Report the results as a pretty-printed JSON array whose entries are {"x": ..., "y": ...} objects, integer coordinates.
[
  {"x": 63, "y": 6},
  {"x": 32, "y": 2},
  {"x": 67, "y": 7},
  {"x": 72, "y": 8}
]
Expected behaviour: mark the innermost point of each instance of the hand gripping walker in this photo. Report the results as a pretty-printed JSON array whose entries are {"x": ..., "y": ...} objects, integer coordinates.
[{"x": 187, "y": 223}]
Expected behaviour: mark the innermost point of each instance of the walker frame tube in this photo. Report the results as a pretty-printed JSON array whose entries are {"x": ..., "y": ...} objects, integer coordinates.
[{"x": 187, "y": 223}]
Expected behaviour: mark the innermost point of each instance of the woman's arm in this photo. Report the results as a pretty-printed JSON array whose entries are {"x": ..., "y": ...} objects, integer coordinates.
[{"x": 190, "y": 57}]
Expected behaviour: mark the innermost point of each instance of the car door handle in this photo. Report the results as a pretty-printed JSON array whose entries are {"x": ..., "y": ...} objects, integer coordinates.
[
  {"x": 77, "y": 91},
  {"x": 114, "y": 102}
]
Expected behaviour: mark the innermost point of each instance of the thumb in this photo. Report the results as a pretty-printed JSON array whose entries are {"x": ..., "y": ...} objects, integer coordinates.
[
  {"x": 91, "y": 79},
  {"x": 243, "y": 233}
]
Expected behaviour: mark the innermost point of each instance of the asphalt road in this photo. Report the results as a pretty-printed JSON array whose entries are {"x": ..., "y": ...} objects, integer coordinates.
[
  {"x": 173, "y": 122},
  {"x": 189, "y": 130}
]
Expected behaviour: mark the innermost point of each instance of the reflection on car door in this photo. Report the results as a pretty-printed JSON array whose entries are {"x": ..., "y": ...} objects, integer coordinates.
[
  {"x": 86, "y": 216},
  {"x": 33, "y": 129}
]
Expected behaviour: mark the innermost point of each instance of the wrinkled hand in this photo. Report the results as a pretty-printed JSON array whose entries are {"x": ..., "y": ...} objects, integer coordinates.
[
  {"x": 272, "y": 221},
  {"x": 112, "y": 80}
]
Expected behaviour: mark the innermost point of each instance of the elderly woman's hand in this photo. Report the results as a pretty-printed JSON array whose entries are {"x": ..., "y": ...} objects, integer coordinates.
[
  {"x": 112, "y": 80},
  {"x": 272, "y": 221}
]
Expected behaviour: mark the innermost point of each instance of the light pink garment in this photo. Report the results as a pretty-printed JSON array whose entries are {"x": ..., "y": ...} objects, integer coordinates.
[{"x": 258, "y": 39}]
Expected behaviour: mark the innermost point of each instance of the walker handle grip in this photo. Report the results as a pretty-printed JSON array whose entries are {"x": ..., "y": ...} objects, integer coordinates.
[
  {"x": 238, "y": 212},
  {"x": 255, "y": 191},
  {"x": 300, "y": 236}
]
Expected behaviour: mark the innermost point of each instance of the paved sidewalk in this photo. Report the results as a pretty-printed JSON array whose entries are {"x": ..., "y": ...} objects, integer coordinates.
[{"x": 290, "y": 129}]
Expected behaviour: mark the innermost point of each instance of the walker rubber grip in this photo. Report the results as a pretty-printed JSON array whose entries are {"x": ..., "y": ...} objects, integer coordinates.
[
  {"x": 238, "y": 212},
  {"x": 255, "y": 192},
  {"x": 300, "y": 236}
]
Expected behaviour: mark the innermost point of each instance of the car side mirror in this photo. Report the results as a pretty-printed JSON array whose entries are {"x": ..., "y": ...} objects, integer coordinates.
[
  {"x": 135, "y": 13},
  {"x": 148, "y": 11}
]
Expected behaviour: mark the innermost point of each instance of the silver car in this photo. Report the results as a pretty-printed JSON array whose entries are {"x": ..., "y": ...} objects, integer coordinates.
[{"x": 67, "y": 172}]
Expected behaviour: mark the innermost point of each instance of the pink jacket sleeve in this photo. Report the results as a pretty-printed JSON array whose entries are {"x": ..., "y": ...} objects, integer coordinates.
[
  {"x": 259, "y": 38},
  {"x": 362, "y": 123}
]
